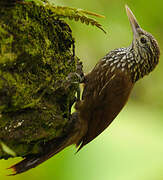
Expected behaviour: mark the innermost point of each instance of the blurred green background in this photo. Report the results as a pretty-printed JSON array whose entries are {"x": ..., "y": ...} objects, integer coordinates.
[{"x": 132, "y": 147}]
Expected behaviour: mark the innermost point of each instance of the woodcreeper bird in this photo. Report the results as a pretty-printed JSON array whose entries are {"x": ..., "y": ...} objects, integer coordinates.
[{"x": 106, "y": 91}]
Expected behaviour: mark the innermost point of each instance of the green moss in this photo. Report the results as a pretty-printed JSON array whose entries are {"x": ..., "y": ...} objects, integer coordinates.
[{"x": 36, "y": 58}]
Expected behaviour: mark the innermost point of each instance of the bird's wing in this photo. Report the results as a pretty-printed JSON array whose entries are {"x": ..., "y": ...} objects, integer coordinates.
[{"x": 102, "y": 103}]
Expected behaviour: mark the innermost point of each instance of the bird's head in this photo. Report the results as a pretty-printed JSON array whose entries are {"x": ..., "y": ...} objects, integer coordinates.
[{"x": 144, "y": 45}]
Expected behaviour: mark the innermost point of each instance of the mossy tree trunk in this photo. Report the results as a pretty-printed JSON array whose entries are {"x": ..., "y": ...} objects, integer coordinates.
[{"x": 37, "y": 90}]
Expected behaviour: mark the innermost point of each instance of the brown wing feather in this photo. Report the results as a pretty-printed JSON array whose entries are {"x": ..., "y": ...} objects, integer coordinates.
[
  {"x": 103, "y": 101},
  {"x": 49, "y": 149}
]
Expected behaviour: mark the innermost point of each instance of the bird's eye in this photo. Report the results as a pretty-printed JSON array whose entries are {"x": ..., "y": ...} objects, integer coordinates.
[{"x": 143, "y": 40}]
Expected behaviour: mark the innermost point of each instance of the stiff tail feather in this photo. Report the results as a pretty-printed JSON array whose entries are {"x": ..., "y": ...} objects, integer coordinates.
[{"x": 49, "y": 149}]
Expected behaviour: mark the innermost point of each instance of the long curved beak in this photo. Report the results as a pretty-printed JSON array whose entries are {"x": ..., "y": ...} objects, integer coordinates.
[{"x": 134, "y": 24}]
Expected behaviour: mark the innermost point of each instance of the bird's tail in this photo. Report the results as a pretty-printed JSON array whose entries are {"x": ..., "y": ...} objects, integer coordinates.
[
  {"x": 49, "y": 149},
  {"x": 32, "y": 161}
]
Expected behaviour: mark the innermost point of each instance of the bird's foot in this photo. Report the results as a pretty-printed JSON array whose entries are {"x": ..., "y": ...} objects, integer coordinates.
[{"x": 79, "y": 70}]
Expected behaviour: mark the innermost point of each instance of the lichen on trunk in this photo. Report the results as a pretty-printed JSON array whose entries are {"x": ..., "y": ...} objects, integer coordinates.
[{"x": 36, "y": 93}]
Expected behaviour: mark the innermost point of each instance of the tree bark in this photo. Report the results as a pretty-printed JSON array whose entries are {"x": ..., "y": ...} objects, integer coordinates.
[{"x": 37, "y": 88}]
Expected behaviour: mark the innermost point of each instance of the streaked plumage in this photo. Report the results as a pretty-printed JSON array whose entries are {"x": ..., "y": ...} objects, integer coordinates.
[{"x": 108, "y": 86}]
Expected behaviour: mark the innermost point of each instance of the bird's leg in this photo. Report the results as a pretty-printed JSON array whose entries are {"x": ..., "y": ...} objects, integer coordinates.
[
  {"x": 79, "y": 70},
  {"x": 76, "y": 78}
]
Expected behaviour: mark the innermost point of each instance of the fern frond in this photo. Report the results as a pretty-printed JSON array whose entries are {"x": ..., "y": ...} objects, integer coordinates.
[
  {"x": 91, "y": 13},
  {"x": 71, "y": 13},
  {"x": 77, "y": 14}
]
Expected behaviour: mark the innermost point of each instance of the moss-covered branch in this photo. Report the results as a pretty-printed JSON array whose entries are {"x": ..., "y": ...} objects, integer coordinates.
[{"x": 36, "y": 91}]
